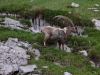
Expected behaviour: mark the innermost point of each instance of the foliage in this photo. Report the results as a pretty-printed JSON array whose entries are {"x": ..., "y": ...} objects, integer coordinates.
[
  {"x": 2, "y": 20},
  {"x": 33, "y": 9},
  {"x": 71, "y": 62},
  {"x": 7, "y": 32},
  {"x": 75, "y": 64},
  {"x": 26, "y": 22}
]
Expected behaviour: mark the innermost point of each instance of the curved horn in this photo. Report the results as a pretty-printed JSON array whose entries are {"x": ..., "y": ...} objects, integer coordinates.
[{"x": 66, "y": 18}]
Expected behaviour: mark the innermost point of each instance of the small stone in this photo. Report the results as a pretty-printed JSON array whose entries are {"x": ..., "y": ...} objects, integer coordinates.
[
  {"x": 97, "y": 23},
  {"x": 74, "y": 5},
  {"x": 67, "y": 73},
  {"x": 28, "y": 68},
  {"x": 96, "y": 10},
  {"x": 97, "y": 5},
  {"x": 92, "y": 8},
  {"x": 92, "y": 64},
  {"x": 84, "y": 53},
  {"x": 45, "y": 66}
]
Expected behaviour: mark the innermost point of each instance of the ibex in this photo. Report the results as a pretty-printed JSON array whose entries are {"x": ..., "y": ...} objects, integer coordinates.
[{"x": 58, "y": 34}]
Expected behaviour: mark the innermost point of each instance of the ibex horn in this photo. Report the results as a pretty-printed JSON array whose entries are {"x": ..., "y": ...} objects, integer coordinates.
[{"x": 66, "y": 18}]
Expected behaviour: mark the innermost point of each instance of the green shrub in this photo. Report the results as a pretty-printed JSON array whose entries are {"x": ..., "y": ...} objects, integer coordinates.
[
  {"x": 25, "y": 22},
  {"x": 7, "y": 32}
]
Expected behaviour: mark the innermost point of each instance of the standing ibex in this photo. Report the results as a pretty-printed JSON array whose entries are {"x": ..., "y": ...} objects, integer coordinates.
[{"x": 58, "y": 34}]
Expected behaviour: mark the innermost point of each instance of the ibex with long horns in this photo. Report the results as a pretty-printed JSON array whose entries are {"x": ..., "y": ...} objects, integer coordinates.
[{"x": 58, "y": 34}]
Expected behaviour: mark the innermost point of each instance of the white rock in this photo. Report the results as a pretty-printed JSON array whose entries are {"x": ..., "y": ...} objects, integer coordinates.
[
  {"x": 79, "y": 30},
  {"x": 12, "y": 23},
  {"x": 31, "y": 0},
  {"x": 33, "y": 30},
  {"x": 97, "y": 5},
  {"x": 45, "y": 66},
  {"x": 96, "y": 10},
  {"x": 14, "y": 61},
  {"x": 1, "y": 60},
  {"x": 84, "y": 53},
  {"x": 57, "y": 63},
  {"x": 4, "y": 56},
  {"x": 22, "y": 62},
  {"x": 1, "y": 65},
  {"x": 97, "y": 23},
  {"x": 1, "y": 43},
  {"x": 7, "y": 69},
  {"x": 15, "y": 67},
  {"x": 11, "y": 56},
  {"x": 4, "y": 49},
  {"x": 74, "y": 5},
  {"x": 92, "y": 64},
  {"x": 35, "y": 51},
  {"x": 1, "y": 72},
  {"x": 67, "y": 73},
  {"x": 25, "y": 44},
  {"x": 26, "y": 69},
  {"x": 11, "y": 42},
  {"x": 70, "y": 12},
  {"x": 66, "y": 48},
  {"x": 19, "y": 50},
  {"x": 92, "y": 8},
  {"x": 8, "y": 61}
]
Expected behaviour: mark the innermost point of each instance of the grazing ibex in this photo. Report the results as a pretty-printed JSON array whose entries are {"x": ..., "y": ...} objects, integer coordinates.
[{"x": 58, "y": 34}]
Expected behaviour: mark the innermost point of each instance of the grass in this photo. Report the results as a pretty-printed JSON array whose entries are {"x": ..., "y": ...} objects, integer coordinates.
[
  {"x": 1, "y": 20},
  {"x": 20, "y": 34},
  {"x": 90, "y": 43},
  {"x": 71, "y": 62},
  {"x": 25, "y": 22},
  {"x": 94, "y": 50},
  {"x": 10, "y": 5},
  {"x": 29, "y": 8}
]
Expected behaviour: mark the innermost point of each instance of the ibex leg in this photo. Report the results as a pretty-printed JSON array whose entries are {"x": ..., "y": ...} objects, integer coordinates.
[
  {"x": 45, "y": 39},
  {"x": 62, "y": 44},
  {"x": 59, "y": 42}
]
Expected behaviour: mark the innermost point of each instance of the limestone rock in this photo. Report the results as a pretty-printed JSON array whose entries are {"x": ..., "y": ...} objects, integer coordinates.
[
  {"x": 74, "y": 5},
  {"x": 27, "y": 69},
  {"x": 92, "y": 64},
  {"x": 13, "y": 23},
  {"x": 97, "y": 23},
  {"x": 97, "y": 5},
  {"x": 84, "y": 53},
  {"x": 67, "y": 73},
  {"x": 45, "y": 66},
  {"x": 12, "y": 55},
  {"x": 6, "y": 69}
]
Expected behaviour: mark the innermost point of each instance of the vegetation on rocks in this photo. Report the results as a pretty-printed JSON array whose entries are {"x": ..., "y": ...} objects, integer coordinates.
[
  {"x": 72, "y": 62},
  {"x": 48, "y": 9},
  {"x": 7, "y": 32}
]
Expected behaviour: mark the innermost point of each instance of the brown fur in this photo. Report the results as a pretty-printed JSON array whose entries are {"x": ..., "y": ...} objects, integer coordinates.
[{"x": 58, "y": 34}]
